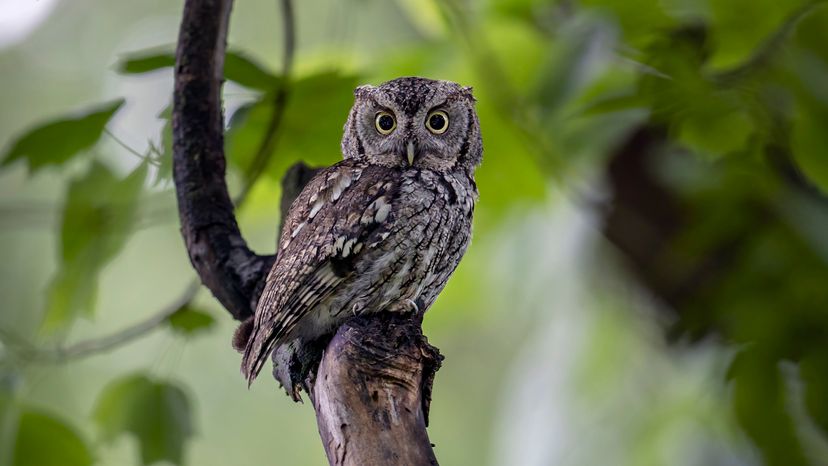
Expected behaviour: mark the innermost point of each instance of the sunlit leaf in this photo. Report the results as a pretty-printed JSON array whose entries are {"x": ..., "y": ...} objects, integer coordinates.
[
  {"x": 520, "y": 54},
  {"x": 98, "y": 216},
  {"x": 310, "y": 130},
  {"x": 189, "y": 321},
  {"x": 741, "y": 27},
  {"x": 526, "y": 10},
  {"x": 156, "y": 413},
  {"x": 57, "y": 141},
  {"x": 426, "y": 16},
  {"x": 43, "y": 440},
  {"x": 237, "y": 67},
  {"x": 511, "y": 173}
]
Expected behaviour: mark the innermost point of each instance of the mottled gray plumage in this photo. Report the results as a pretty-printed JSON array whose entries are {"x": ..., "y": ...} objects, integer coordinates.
[{"x": 381, "y": 230}]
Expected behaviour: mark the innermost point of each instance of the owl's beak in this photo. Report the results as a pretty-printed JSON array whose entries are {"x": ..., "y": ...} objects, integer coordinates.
[{"x": 410, "y": 153}]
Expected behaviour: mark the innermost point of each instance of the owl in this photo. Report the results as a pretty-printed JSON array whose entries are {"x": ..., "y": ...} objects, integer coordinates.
[{"x": 383, "y": 229}]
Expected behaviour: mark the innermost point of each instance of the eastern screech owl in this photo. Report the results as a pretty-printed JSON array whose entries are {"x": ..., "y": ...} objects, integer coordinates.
[{"x": 381, "y": 230}]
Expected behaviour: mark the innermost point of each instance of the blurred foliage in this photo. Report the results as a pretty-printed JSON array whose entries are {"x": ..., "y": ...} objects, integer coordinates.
[
  {"x": 43, "y": 440},
  {"x": 189, "y": 321},
  {"x": 98, "y": 217},
  {"x": 699, "y": 125},
  {"x": 56, "y": 142},
  {"x": 156, "y": 413},
  {"x": 237, "y": 67},
  {"x": 315, "y": 106}
]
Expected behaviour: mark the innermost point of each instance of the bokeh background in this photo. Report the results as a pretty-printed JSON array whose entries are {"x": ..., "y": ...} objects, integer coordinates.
[{"x": 648, "y": 280}]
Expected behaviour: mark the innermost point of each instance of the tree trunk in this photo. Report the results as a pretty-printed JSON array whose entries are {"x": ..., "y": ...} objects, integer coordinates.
[{"x": 372, "y": 390}]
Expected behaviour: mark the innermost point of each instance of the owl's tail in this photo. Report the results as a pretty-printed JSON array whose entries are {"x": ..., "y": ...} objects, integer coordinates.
[{"x": 257, "y": 349}]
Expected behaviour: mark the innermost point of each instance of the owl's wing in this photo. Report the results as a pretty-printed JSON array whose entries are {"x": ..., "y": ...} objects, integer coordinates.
[{"x": 339, "y": 214}]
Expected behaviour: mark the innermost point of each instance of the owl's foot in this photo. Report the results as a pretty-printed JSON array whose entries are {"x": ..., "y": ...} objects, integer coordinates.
[{"x": 295, "y": 365}]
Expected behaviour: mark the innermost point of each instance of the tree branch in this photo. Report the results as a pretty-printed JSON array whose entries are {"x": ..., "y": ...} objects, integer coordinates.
[
  {"x": 372, "y": 392},
  {"x": 374, "y": 381},
  {"x": 217, "y": 250}
]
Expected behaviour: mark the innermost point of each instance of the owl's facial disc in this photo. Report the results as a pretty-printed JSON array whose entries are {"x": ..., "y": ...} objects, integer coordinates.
[{"x": 414, "y": 122}]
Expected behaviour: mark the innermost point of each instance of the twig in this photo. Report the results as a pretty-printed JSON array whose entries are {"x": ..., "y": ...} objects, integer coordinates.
[
  {"x": 93, "y": 346},
  {"x": 268, "y": 142},
  {"x": 132, "y": 151}
]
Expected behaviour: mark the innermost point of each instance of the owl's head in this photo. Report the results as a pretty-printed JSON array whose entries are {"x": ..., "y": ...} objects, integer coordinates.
[{"x": 415, "y": 122}]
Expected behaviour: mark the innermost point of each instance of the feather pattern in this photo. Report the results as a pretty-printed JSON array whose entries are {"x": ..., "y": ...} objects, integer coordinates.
[{"x": 313, "y": 259}]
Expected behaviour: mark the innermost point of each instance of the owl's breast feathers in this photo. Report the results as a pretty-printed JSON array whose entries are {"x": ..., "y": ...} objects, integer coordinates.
[{"x": 338, "y": 229}]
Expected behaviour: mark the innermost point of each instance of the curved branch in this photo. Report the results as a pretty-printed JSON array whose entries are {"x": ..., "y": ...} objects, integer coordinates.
[
  {"x": 217, "y": 250},
  {"x": 374, "y": 381}
]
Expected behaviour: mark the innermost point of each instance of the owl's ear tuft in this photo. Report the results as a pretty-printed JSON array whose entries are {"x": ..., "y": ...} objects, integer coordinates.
[
  {"x": 364, "y": 90},
  {"x": 467, "y": 91}
]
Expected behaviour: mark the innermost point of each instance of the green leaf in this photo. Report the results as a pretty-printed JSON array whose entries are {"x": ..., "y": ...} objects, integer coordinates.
[
  {"x": 499, "y": 192},
  {"x": 310, "y": 130},
  {"x": 246, "y": 72},
  {"x": 639, "y": 19},
  {"x": 426, "y": 16},
  {"x": 613, "y": 103},
  {"x": 716, "y": 132},
  {"x": 98, "y": 217},
  {"x": 760, "y": 404},
  {"x": 144, "y": 62},
  {"x": 740, "y": 27},
  {"x": 189, "y": 321},
  {"x": 157, "y": 413},
  {"x": 814, "y": 370},
  {"x": 237, "y": 68},
  {"x": 56, "y": 142},
  {"x": 43, "y": 440},
  {"x": 809, "y": 144}
]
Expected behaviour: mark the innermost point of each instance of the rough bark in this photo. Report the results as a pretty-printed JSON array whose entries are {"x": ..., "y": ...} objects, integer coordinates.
[
  {"x": 373, "y": 384},
  {"x": 373, "y": 388},
  {"x": 217, "y": 250}
]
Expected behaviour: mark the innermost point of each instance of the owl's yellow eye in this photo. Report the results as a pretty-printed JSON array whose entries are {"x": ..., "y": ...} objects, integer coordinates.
[
  {"x": 437, "y": 122},
  {"x": 385, "y": 122}
]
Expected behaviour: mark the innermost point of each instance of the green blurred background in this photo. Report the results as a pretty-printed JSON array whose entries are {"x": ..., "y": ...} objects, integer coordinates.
[{"x": 648, "y": 281}]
